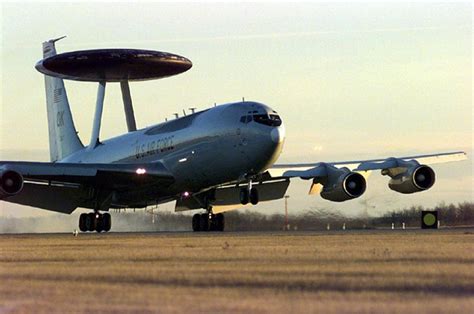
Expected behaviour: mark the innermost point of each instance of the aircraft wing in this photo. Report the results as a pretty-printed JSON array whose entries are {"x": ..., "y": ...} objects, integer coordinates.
[
  {"x": 311, "y": 170},
  {"x": 335, "y": 181},
  {"x": 63, "y": 186},
  {"x": 342, "y": 181}
]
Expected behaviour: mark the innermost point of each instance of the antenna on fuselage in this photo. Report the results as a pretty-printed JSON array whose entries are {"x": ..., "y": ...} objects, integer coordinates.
[
  {"x": 193, "y": 110},
  {"x": 184, "y": 112},
  {"x": 176, "y": 115},
  {"x": 128, "y": 106},
  {"x": 112, "y": 65}
]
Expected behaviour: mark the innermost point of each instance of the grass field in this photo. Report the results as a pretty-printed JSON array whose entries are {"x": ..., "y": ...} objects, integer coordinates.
[{"x": 366, "y": 271}]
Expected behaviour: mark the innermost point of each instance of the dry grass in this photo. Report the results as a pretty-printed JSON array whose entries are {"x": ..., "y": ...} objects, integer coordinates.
[{"x": 410, "y": 271}]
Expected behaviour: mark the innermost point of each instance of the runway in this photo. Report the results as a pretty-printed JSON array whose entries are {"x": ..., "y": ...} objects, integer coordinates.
[{"x": 331, "y": 272}]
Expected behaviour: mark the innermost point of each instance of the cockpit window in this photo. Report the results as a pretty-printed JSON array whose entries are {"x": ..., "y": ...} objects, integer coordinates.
[
  {"x": 246, "y": 119},
  {"x": 271, "y": 120}
]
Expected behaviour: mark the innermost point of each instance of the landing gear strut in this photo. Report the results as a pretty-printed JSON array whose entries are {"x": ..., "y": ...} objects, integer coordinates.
[
  {"x": 208, "y": 222},
  {"x": 95, "y": 222}
]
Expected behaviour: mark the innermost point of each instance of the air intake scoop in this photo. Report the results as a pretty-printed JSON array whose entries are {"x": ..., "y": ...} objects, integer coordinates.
[{"x": 113, "y": 65}]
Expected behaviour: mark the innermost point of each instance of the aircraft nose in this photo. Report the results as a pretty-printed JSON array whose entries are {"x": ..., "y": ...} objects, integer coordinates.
[{"x": 278, "y": 134}]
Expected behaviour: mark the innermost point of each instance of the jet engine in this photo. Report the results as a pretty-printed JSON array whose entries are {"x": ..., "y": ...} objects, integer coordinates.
[
  {"x": 414, "y": 179},
  {"x": 342, "y": 185},
  {"x": 11, "y": 183}
]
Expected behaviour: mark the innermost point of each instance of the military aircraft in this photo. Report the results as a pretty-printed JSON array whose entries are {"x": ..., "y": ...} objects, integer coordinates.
[{"x": 215, "y": 159}]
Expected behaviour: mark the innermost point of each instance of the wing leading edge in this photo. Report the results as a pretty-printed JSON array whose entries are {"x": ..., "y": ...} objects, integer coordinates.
[
  {"x": 309, "y": 170},
  {"x": 63, "y": 187}
]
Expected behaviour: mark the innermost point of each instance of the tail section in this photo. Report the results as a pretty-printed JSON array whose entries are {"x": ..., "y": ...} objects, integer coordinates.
[{"x": 63, "y": 139}]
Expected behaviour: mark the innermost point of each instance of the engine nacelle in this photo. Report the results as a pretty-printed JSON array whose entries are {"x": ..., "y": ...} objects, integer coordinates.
[
  {"x": 11, "y": 183},
  {"x": 415, "y": 179},
  {"x": 343, "y": 185}
]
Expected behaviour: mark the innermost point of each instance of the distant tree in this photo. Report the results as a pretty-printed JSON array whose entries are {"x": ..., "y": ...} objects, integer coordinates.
[{"x": 315, "y": 219}]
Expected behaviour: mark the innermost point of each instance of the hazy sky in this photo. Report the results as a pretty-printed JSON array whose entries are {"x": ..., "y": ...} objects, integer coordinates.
[{"x": 350, "y": 81}]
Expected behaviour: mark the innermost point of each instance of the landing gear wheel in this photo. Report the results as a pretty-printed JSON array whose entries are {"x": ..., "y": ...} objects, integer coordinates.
[
  {"x": 196, "y": 222},
  {"x": 99, "y": 226},
  {"x": 253, "y": 196},
  {"x": 219, "y": 222},
  {"x": 106, "y": 222},
  {"x": 204, "y": 222},
  {"x": 244, "y": 196},
  {"x": 95, "y": 222},
  {"x": 212, "y": 223},
  {"x": 90, "y": 222},
  {"x": 82, "y": 222},
  {"x": 216, "y": 223}
]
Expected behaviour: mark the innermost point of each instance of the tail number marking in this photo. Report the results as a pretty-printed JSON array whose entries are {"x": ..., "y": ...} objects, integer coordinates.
[{"x": 60, "y": 118}]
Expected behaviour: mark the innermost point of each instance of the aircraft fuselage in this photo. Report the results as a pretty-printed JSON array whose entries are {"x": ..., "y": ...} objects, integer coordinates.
[{"x": 202, "y": 150}]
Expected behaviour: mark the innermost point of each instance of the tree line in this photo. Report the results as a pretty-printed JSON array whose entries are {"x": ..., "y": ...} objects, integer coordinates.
[{"x": 450, "y": 215}]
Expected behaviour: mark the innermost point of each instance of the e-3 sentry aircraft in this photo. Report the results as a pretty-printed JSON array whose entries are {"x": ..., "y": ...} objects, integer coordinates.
[{"x": 216, "y": 159}]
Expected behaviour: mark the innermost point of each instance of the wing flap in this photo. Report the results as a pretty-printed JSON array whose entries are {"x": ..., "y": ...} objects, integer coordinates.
[{"x": 63, "y": 199}]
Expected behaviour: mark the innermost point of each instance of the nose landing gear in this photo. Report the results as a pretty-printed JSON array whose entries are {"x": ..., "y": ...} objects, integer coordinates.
[
  {"x": 95, "y": 222},
  {"x": 249, "y": 194},
  {"x": 216, "y": 222}
]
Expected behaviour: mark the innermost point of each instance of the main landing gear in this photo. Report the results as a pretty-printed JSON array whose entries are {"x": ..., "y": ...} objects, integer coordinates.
[
  {"x": 95, "y": 222},
  {"x": 208, "y": 222}
]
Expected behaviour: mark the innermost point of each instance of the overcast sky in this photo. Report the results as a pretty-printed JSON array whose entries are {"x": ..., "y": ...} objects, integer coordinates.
[{"x": 350, "y": 81}]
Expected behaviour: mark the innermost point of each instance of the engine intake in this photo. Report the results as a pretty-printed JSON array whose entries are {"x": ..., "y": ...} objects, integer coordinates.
[
  {"x": 348, "y": 185},
  {"x": 11, "y": 183},
  {"x": 415, "y": 179}
]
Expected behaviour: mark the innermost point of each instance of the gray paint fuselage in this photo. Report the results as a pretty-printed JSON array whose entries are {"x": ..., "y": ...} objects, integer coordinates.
[{"x": 202, "y": 150}]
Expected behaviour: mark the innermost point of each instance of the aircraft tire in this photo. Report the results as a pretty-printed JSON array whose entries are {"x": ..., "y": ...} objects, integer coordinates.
[
  {"x": 219, "y": 222},
  {"x": 204, "y": 222},
  {"x": 196, "y": 223},
  {"x": 253, "y": 196},
  {"x": 212, "y": 223},
  {"x": 106, "y": 222},
  {"x": 244, "y": 196},
  {"x": 90, "y": 222},
  {"x": 99, "y": 226},
  {"x": 82, "y": 223}
]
